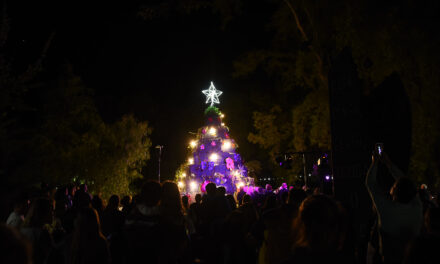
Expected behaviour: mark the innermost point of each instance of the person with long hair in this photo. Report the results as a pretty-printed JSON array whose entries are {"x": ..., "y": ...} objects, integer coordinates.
[
  {"x": 36, "y": 228},
  {"x": 276, "y": 225},
  {"x": 320, "y": 230},
  {"x": 112, "y": 219},
  {"x": 142, "y": 230},
  {"x": 173, "y": 222},
  {"x": 15, "y": 249},
  {"x": 171, "y": 208},
  {"x": 88, "y": 243}
]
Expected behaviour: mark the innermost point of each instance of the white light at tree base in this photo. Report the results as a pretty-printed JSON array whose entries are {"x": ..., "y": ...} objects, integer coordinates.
[
  {"x": 212, "y": 131},
  {"x": 213, "y": 157},
  {"x": 212, "y": 95},
  {"x": 240, "y": 184},
  {"x": 190, "y": 161},
  {"x": 193, "y": 143},
  {"x": 193, "y": 186}
]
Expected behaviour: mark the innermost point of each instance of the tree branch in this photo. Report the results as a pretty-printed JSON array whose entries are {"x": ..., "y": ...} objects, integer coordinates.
[
  {"x": 306, "y": 39},
  {"x": 298, "y": 24}
]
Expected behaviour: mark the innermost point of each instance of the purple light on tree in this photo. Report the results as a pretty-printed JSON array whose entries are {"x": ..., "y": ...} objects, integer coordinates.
[{"x": 217, "y": 158}]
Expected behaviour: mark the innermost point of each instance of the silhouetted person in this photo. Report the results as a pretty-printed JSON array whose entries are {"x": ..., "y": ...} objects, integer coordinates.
[
  {"x": 142, "y": 229},
  {"x": 35, "y": 228},
  {"x": 320, "y": 230},
  {"x": 14, "y": 248},
  {"x": 16, "y": 218},
  {"x": 112, "y": 218},
  {"x": 112, "y": 223},
  {"x": 82, "y": 198},
  {"x": 223, "y": 202},
  {"x": 249, "y": 211},
  {"x": 195, "y": 210},
  {"x": 98, "y": 204},
  {"x": 235, "y": 248},
  {"x": 424, "y": 249},
  {"x": 174, "y": 230},
  {"x": 185, "y": 204},
  {"x": 88, "y": 244},
  {"x": 71, "y": 190},
  {"x": 126, "y": 204},
  {"x": 400, "y": 218},
  {"x": 269, "y": 189},
  {"x": 277, "y": 231},
  {"x": 246, "y": 199},
  {"x": 240, "y": 195},
  {"x": 426, "y": 198},
  {"x": 270, "y": 202},
  {"x": 294, "y": 199},
  {"x": 231, "y": 201},
  {"x": 61, "y": 202},
  {"x": 283, "y": 193}
]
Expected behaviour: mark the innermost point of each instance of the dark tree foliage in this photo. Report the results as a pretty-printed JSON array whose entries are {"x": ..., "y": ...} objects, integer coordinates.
[{"x": 51, "y": 131}]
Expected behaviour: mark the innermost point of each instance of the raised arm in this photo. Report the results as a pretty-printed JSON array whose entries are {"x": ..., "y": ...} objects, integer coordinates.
[
  {"x": 392, "y": 168},
  {"x": 370, "y": 180},
  {"x": 379, "y": 198}
]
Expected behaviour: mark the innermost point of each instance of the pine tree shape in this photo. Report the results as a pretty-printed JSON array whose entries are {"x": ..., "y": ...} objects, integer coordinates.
[{"x": 213, "y": 157}]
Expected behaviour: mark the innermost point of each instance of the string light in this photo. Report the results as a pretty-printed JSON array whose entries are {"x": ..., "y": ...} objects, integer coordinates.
[
  {"x": 212, "y": 131},
  {"x": 226, "y": 145},
  {"x": 190, "y": 161},
  {"x": 181, "y": 184},
  {"x": 193, "y": 143},
  {"x": 184, "y": 175},
  {"x": 213, "y": 157},
  {"x": 193, "y": 186}
]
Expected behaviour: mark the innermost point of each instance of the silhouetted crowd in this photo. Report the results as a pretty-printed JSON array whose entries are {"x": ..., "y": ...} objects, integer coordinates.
[{"x": 159, "y": 225}]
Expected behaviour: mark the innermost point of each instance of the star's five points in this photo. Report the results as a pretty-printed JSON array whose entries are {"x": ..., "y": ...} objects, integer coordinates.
[{"x": 212, "y": 95}]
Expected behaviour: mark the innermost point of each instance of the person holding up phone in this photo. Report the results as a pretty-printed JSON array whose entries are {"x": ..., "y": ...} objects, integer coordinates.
[{"x": 400, "y": 218}]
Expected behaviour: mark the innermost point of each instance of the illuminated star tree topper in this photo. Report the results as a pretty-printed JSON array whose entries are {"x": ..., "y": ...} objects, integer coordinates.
[{"x": 212, "y": 95}]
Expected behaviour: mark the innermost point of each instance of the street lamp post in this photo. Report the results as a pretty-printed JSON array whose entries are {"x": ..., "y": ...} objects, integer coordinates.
[
  {"x": 160, "y": 147},
  {"x": 305, "y": 171}
]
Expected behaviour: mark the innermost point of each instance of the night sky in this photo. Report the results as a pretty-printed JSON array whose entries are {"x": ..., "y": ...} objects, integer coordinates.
[
  {"x": 155, "y": 69},
  {"x": 152, "y": 69}
]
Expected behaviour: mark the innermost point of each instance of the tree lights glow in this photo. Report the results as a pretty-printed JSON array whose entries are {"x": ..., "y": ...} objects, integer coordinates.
[
  {"x": 214, "y": 157},
  {"x": 212, "y": 131},
  {"x": 193, "y": 186},
  {"x": 226, "y": 146},
  {"x": 212, "y": 95},
  {"x": 181, "y": 184}
]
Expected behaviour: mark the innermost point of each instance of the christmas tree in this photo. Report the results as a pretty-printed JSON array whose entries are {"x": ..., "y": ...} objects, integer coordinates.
[{"x": 213, "y": 155}]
